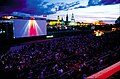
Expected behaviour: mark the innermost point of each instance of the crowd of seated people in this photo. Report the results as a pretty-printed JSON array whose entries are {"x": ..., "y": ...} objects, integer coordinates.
[{"x": 68, "y": 57}]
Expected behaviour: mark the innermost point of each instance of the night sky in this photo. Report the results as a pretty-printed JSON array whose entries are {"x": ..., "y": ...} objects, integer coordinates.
[{"x": 52, "y": 8}]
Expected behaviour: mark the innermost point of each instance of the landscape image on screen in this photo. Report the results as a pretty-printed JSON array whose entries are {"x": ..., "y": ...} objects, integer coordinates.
[{"x": 28, "y": 28}]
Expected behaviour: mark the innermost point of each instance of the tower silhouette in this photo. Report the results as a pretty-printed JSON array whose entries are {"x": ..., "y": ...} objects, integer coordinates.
[
  {"x": 72, "y": 18},
  {"x": 66, "y": 23},
  {"x": 72, "y": 22},
  {"x": 58, "y": 20}
]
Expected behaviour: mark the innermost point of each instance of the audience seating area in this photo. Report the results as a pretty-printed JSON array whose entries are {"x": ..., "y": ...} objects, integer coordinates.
[{"x": 68, "y": 57}]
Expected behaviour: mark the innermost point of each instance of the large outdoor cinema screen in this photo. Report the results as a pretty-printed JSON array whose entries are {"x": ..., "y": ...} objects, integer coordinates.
[{"x": 29, "y": 28}]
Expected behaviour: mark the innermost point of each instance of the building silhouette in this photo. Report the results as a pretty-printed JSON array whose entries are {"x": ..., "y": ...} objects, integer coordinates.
[
  {"x": 66, "y": 23},
  {"x": 72, "y": 22}
]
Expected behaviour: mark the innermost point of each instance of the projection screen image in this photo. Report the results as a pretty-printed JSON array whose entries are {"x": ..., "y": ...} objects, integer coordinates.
[{"x": 29, "y": 28}]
